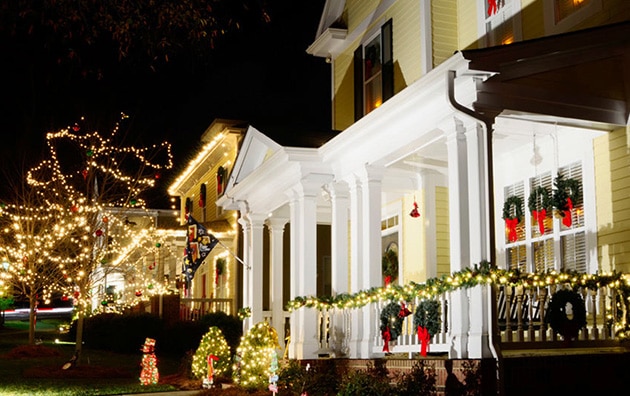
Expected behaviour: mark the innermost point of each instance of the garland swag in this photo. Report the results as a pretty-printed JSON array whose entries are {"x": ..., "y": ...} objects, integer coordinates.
[
  {"x": 558, "y": 318},
  {"x": 391, "y": 323},
  {"x": 512, "y": 214},
  {"x": 426, "y": 319},
  {"x": 565, "y": 196},
  {"x": 539, "y": 204}
]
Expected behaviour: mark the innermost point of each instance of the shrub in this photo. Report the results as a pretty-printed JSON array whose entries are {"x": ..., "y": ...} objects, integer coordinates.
[
  {"x": 230, "y": 326},
  {"x": 254, "y": 356},
  {"x": 212, "y": 344},
  {"x": 420, "y": 380},
  {"x": 369, "y": 382},
  {"x": 320, "y": 379}
]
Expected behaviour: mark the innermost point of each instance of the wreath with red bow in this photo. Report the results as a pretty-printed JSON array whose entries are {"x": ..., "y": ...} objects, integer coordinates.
[
  {"x": 540, "y": 204},
  {"x": 565, "y": 197},
  {"x": 512, "y": 214}
]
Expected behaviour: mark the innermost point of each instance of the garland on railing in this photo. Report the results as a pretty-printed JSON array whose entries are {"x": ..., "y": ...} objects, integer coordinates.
[{"x": 467, "y": 278}]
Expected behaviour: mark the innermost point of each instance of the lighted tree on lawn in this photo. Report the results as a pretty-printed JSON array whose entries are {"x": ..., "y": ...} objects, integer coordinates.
[
  {"x": 34, "y": 238},
  {"x": 95, "y": 178}
]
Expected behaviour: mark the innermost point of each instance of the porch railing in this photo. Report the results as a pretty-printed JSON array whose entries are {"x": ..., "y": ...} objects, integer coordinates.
[
  {"x": 195, "y": 308},
  {"x": 519, "y": 318}
]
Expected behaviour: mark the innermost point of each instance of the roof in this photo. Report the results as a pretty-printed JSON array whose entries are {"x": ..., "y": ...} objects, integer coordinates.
[{"x": 581, "y": 75}]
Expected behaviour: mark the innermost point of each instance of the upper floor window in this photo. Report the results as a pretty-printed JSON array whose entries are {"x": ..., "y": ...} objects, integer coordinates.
[
  {"x": 562, "y": 15},
  {"x": 373, "y": 72},
  {"x": 500, "y": 24}
]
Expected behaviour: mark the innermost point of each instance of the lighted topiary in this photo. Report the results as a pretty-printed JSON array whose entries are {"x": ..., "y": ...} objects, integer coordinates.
[
  {"x": 254, "y": 356},
  {"x": 213, "y": 347}
]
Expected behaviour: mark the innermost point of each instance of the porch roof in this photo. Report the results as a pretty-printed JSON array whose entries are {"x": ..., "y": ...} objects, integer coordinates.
[{"x": 582, "y": 75}]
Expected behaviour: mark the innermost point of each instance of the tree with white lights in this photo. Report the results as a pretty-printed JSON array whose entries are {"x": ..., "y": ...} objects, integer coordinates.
[{"x": 95, "y": 179}]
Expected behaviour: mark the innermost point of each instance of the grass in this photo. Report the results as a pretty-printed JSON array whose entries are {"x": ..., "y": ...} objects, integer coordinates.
[{"x": 99, "y": 372}]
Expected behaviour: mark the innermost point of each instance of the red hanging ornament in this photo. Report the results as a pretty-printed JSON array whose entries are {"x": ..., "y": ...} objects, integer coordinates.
[
  {"x": 76, "y": 127},
  {"x": 84, "y": 172},
  {"x": 138, "y": 293},
  {"x": 105, "y": 219},
  {"x": 157, "y": 175},
  {"x": 99, "y": 232},
  {"x": 74, "y": 208},
  {"x": 404, "y": 311},
  {"x": 414, "y": 211}
]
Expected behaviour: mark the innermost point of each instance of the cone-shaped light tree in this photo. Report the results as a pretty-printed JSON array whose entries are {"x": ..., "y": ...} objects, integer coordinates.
[{"x": 95, "y": 179}]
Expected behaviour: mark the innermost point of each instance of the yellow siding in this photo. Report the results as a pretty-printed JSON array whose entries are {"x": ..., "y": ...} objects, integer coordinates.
[
  {"x": 442, "y": 231},
  {"x": 358, "y": 11},
  {"x": 532, "y": 19},
  {"x": 467, "y": 28},
  {"x": 612, "y": 184},
  {"x": 444, "y": 24},
  {"x": 405, "y": 17},
  {"x": 343, "y": 101}
]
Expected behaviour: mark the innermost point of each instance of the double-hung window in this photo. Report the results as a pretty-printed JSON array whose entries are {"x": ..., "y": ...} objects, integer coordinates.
[
  {"x": 373, "y": 72},
  {"x": 562, "y": 15},
  {"x": 500, "y": 22}
]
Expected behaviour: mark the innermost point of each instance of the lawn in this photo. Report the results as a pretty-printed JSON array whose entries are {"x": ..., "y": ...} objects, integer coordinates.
[{"x": 37, "y": 370}]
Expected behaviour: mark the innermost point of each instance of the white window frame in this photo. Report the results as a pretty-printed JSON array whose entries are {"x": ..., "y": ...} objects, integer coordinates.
[
  {"x": 565, "y": 25},
  {"x": 510, "y": 11}
]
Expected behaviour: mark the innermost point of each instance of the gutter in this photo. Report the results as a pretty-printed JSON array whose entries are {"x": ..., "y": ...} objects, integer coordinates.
[{"x": 487, "y": 123}]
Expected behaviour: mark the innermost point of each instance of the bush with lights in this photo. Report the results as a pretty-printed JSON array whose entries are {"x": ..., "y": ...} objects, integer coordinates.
[
  {"x": 252, "y": 367},
  {"x": 212, "y": 359}
]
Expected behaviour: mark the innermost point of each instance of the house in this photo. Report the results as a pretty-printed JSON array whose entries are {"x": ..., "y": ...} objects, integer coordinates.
[{"x": 453, "y": 116}]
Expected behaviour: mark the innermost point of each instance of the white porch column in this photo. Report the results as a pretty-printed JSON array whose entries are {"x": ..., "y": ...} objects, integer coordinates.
[
  {"x": 304, "y": 329},
  {"x": 276, "y": 231},
  {"x": 339, "y": 237},
  {"x": 459, "y": 235},
  {"x": 256, "y": 264},
  {"x": 372, "y": 247},
  {"x": 356, "y": 264},
  {"x": 247, "y": 253}
]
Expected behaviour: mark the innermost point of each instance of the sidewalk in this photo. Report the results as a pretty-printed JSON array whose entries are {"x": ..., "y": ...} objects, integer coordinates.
[{"x": 167, "y": 393}]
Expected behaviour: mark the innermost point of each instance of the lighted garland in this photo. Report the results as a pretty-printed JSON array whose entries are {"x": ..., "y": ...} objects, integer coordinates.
[
  {"x": 556, "y": 315},
  {"x": 390, "y": 319},
  {"x": 427, "y": 315},
  {"x": 467, "y": 278}
]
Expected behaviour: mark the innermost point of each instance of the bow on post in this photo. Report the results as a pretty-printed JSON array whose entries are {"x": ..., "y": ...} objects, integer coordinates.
[{"x": 424, "y": 338}]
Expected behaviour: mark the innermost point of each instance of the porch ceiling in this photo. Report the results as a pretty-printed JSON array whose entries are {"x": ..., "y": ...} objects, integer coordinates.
[{"x": 582, "y": 75}]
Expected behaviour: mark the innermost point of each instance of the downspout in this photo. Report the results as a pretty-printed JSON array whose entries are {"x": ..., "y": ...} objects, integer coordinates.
[{"x": 487, "y": 123}]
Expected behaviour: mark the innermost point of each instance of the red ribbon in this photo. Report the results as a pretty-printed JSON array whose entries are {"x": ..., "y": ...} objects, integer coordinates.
[
  {"x": 540, "y": 218},
  {"x": 567, "y": 220},
  {"x": 388, "y": 280},
  {"x": 492, "y": 7},
  {"x": 404, "y": 311},
  {"x": 211, "y": 359},
  {"x": 424, "y": 338},
  {"x": 386, "y": 337},
  {"x": 511, "y": 225}
]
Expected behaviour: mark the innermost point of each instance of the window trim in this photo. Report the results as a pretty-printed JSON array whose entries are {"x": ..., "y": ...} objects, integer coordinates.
[{"x": 551, "y": 27}]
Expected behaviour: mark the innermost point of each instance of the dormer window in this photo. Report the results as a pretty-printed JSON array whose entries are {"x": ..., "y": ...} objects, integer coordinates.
[{"x": 373, "y": 72}]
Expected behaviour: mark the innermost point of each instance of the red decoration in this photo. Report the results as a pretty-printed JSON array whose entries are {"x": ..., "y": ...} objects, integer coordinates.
[
  {"x": 492, "y": 7},
  {"x": 387, "y": 336},
  {"x": 76, "y": 127},
  {"x": 99, "y": 232},
  {"x": 540, "y": 216},
  {"x": 424, "y": 338},
  {"x": 388, "y": 280},
  {"x": 414, "y": 211},
  {"x": 138, "y": 293},
  {"x": 105, "y": 219},
  {"x": 404, "y": 311},
  {"x": 157, "y": 175},
  {"x": 74, "y": 208},
  {"x": 84, "y": 172},
  {"x": 567, "y": 220},
  {"x": 511, "y": 225}
]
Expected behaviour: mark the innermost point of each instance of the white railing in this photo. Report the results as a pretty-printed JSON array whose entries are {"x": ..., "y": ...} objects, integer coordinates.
[{"x": 195, "y": 308}]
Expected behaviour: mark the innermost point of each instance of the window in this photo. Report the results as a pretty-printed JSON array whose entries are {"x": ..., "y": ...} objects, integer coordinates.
[
  {"x": 553, "y": 241},
  {"x": 500, "y": 22},
  {"x": 373, "y": 72},
  {"x": 390, "y": 249},
  {"x": 562, "y": 15}
]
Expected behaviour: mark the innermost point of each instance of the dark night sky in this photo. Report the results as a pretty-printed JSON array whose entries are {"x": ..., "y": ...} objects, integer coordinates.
[{"x": 260, "y": 74}]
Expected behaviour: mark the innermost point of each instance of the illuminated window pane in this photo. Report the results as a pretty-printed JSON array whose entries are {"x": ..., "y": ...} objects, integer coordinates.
[{"x": 564, "y": 8}]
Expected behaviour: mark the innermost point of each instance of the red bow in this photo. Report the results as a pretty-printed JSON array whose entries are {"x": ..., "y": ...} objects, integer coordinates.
[
  {"x": 386, "y": 337},
  {"x": 566, "y": 219},
  {"x": 424, "y": 338},
  {"x": 388, "y": 280},
  {"x": 511, "y": 225},
  {"x": 540, "y": 218},
  {"x": 404, "y": 311}
]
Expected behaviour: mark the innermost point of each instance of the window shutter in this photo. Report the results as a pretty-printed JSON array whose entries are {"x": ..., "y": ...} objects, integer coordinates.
[
  {"x": 574, "y": 252},
  {"x": 358, "y": 83},
  {"x": 387, "y": 60}
]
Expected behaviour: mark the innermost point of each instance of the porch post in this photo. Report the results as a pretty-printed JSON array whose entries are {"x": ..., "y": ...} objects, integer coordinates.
[
  {"x": 276, "y": 231},
  {"x": 247, "y": 323},
  {"x": 356, "y": 264},
  {"x": 256, "y": 264},
  {"x": 304, "y": 331},
  {"x": 295, "y": 275},
  {"x": 372, "y": 251},
  {"x": 459, "y": 235}
]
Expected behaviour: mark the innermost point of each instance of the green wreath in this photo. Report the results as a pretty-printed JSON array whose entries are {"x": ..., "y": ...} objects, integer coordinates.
[
  {"x": 391, "y": 319},
  {"x": 390, "y": 264},
  {"x": 565, "y": 189},
  {"x": 539, "y": 199},
  {"x": 517, "y": 203},
  {"x": 557, "y": 318},
  {"x": 427, "y": 315}
]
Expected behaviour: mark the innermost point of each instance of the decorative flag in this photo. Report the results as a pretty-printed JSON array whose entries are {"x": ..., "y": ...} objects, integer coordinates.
[{"x": 198, "y": 245}]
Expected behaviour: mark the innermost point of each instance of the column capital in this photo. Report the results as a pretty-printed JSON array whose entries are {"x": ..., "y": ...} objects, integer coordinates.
[{"x": 276, "y": 223}]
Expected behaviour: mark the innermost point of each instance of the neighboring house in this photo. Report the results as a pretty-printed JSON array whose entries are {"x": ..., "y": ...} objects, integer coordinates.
[
  {"x": 455, "y": 111},
  {"x": 145, "y": 260}
]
